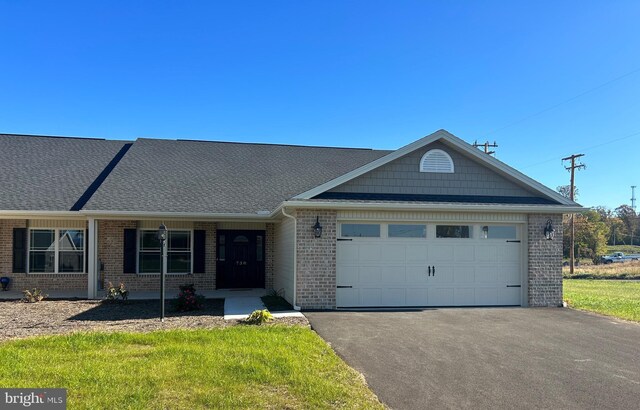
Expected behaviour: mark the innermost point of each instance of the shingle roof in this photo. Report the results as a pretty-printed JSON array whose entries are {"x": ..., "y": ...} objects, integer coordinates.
[
  {"x": 50, "y": 173},
  {"x": 219, "y": 177}
]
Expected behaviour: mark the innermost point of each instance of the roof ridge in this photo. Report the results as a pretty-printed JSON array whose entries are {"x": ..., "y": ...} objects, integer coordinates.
[
  {"x": 2, "y": 134},
  {"x": 267, "y": 143}
]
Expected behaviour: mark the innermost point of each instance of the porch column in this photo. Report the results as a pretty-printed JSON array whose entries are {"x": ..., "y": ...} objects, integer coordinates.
[{"x": 92, "y": 254}]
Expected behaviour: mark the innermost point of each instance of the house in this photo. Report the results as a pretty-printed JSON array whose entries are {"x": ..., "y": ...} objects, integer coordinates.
[{"x": 434, "y": 223}]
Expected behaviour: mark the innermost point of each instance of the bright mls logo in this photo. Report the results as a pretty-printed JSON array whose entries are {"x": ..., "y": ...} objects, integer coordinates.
[{"x": 49, "y": 399}]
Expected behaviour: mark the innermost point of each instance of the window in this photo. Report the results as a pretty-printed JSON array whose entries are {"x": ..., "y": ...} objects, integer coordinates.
[
  {"x": 498, "y": 232},
  {"x": 436, "y": 160},
  {"x": 360, "y": 230},
  {"x": 178, "y": 252},
  {"x": 453, "y": 231},
  {"x": 56, "y": 251},
  {"x": 407, "y": 231}
]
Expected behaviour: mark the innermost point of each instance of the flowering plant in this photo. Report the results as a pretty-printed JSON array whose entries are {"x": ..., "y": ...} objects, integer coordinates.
[{"x": 188, "y": 299}]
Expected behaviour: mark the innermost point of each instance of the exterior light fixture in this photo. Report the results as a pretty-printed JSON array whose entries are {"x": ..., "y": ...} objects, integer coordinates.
[
  {"x": 162, "y": 237},
  {"x": 549, "y": 231},
  {"x": 317, "y": 228}
]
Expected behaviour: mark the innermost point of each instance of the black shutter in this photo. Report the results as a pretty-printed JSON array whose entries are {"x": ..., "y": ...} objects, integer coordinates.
[
  {"x": 19, "y": 250},
  {"x": 199, "y": 251},
  {"x": 86, "y": 252},
  {"x": 129, "y": 256}
]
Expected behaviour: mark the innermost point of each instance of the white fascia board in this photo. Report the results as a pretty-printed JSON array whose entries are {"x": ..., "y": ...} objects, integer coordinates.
[
  {"x": 447, "y": 136},
  {"x": 544, "y": 209},
  {"x": 22, "y": 214},
  {"x": 141, "y": 215}
]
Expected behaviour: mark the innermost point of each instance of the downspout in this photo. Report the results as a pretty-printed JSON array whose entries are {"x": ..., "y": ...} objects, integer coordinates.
[{"x": 295, "y": 257}]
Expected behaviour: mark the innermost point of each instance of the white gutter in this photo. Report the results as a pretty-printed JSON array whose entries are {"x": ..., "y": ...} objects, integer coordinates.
[
  {"x": 175, "y": 215},
  {"x": 295, "y": 257},
  {"x": 437, "y": 207},
  {"x": 4, "y": 214}
]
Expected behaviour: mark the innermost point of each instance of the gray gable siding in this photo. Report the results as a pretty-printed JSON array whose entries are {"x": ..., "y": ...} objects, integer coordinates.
[{"x": 403, "y": 176}]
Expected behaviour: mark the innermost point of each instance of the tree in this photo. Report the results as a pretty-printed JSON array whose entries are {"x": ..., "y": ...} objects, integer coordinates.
[
  {"x": 565, "y": 191},
  {"x": 592, "y": 233},
  {"x": 630, "y": 219}
]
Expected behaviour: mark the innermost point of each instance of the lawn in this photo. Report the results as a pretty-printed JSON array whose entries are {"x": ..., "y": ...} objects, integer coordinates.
[
  {"x": 237, "y": 367},
  {"x": 609, "y": 297}
]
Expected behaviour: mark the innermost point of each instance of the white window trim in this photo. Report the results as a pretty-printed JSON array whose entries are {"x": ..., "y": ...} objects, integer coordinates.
[
  {"x": 439, "y": 151},
  {"x": 56, "y": 252},
  {"x": 164, "y": 267}
]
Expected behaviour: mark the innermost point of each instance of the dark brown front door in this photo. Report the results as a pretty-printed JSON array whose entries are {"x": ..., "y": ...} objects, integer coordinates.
[{"x": 240, "y": 259}]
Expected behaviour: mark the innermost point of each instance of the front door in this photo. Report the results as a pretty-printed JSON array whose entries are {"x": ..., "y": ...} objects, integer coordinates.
[{"x": 240, "y": 259}]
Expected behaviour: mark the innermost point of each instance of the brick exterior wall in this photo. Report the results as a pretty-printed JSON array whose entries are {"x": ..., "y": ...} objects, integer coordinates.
[
  {"x": 269, "y": 251},
  {"x": 316, "y": 260},
  {"x": 111, "y": 252},
  {"x": 22, "y": 281},
  {"x": 545, "y": 261}
]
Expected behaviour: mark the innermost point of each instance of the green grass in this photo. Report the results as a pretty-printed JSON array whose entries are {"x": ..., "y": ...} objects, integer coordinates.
[
  {"x": 608, "y": 297},
  {"x": 236, "y": 367}
]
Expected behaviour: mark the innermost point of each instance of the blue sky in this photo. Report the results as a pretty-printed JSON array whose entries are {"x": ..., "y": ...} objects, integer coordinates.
[{"x": 341, "y": 73}]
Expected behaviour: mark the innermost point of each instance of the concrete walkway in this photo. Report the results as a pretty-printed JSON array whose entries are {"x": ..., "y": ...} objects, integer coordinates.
[{"x": 240, "y": 307}]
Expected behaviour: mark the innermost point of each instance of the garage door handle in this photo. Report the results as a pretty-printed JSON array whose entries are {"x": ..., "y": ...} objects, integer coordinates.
[
  {"x": 434, "y": 271},
  {"x": 344, "y": 287},
  {"x": 514, "y": 241},
  {"x": 345, "y": 239},
  {"x": 513, "y": 286},
  {"x": 429, "y": 274}
]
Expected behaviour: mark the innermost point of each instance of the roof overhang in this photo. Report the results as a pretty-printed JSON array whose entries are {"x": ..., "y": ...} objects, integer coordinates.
[{"x": 24, "y": 214}]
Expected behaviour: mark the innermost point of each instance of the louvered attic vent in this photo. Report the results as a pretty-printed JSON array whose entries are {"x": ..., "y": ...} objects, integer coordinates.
[{"x": 436, "y": 160}]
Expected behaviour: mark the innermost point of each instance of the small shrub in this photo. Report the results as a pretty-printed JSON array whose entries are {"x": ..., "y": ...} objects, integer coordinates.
[
  {"x": 258, "y": 317},
  {"x": 188, "y": 299},
  {"x": 113, "y": 293},
  {"x": 33, "y": 295}
]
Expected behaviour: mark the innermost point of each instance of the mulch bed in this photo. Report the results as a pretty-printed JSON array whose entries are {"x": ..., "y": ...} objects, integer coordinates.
[{"x": 48, "y": 317}]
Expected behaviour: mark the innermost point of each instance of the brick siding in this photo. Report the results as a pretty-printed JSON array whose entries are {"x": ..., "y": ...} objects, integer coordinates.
[
  {"x": 316, "y": 260},
  {"x": 545, "y": 261},
  {"x": 22, "y": 281},
  {"x": 111, "y": 252}
]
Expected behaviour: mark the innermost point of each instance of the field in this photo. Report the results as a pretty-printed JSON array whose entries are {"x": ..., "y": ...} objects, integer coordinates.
[
  {"x": 623, "y": 248},
  {"x": 626, "y": 270},
  {"x": 609, "y": 297},
  {"x": 238, "y": 367}
]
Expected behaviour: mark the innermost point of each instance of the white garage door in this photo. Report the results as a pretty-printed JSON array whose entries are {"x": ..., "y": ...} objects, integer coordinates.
[{"x": 387, "y": 264}]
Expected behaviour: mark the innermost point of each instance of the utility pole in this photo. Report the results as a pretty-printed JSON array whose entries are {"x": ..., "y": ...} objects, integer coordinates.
[
  {"x": 486, "y": 146},
  {"x": 633, "y": 206},
  {"x": 572, "y": 169}
]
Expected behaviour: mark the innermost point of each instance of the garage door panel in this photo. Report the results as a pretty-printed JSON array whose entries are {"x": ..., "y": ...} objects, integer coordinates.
[
  {"x": 443, "y": 274},
  {"x": 464, "y": 253},
  {"x": 417, "y": 253},
  {"x": 464, "y": 296},
  {"x": 346, "y": 254},
  {"x": 347, "y": 275},
  {"x": 417, "y": 297},
  {"x": 487, "y": 253},
  {"x": 368, "y": 252},
  {"x": 348, "y": 297},
  {"x": 463, "y": 274},
  {"x": 487, "y": 274},
  {"x": 369, "y": 274},
  {"x": 486, "y": 296},
  {"x": 394, "y": 253},
  {"x": 441, "y": 253},
  {"x": 441, "y": 297},
  {"x": 393, "y": 275},
  {"x": 394, "y": 297},
  {"x": 509, "y": 296},
  {"x": 510, "y": 252},
  {"x": 370, "y": 297},
  {"x": 417, "y": 274}
]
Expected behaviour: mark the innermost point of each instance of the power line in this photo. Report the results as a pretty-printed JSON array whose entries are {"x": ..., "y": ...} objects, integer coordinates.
[
  {"x": 585, "y": 149},
  {"x": 565, "y": 101}
]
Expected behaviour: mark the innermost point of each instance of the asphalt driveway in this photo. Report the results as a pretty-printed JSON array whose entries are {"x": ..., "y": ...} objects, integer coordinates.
[{"x": 490, "y": 357}]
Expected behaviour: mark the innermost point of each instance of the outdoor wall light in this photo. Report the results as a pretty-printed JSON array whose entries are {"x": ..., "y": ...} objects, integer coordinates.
[
  {"x": 317, "y": 228},
  {"x": 162, "y": 233},
  {"x": 549, "y": 231}
]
